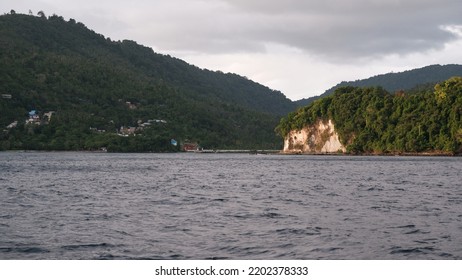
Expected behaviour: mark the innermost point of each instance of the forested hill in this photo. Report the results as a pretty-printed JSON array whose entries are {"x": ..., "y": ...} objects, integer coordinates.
[
  {"x": 393, "y": 82},
  {"x": 371, "y": 120},
  {"x": 86, "y": 92}
]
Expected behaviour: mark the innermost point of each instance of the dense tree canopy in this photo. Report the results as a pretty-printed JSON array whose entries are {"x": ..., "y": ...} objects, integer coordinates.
[
  {"x": 393, "y": 82},
  {"x": 120, "y": 95},
  {"x": 371, "y": 120}
]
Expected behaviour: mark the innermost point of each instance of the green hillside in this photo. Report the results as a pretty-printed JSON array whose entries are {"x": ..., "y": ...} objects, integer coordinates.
[
  {"x": 89, "y": 92},
  {"x": 371, "y": 120},
  {"x": 392, "y": 82}
]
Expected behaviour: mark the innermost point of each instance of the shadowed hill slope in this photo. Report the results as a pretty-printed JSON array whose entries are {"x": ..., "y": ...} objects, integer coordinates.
[{"x": 97, "y": 88}]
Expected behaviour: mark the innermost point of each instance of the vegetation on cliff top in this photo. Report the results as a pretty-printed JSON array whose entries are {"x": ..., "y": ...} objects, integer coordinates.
[
  {"x": 371, "y": 120},
  {"x": 392, "y": 82}
]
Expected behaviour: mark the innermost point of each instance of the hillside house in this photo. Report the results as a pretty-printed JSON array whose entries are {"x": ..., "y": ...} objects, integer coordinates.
[
  {"x": 34, "y": 117},
  {"x": 12, "y": 125},
  {"x": 191, "y": 147},
  {"x": 126, "y": 131},
  {"x": 47, "y": 116}
]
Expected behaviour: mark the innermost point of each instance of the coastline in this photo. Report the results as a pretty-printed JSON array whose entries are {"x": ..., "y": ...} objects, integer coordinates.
[
  {"x": 404, "y": 154},
  {"x": 256, "y": 152}
]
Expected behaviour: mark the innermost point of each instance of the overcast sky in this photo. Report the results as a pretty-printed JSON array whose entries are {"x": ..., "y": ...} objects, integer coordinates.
[{"x": 300, "y": 47}]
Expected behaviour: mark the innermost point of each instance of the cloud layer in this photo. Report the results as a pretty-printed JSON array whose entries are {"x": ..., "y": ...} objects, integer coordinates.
[{"x": 333, "y": 29}]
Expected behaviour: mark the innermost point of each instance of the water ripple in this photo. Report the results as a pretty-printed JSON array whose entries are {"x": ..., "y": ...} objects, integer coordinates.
[{"x": 217, "y": 206}]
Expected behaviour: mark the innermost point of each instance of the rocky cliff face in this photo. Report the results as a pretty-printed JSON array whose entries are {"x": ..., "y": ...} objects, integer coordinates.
[{"x": 320, "y": 137}]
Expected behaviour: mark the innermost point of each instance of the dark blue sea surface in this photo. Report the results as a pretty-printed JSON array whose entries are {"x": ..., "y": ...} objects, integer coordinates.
[{"x": 228, "y": 206}]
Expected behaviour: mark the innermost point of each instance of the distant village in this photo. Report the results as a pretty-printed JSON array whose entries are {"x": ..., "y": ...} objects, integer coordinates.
[
  {"x": 35, "y": 118},
  {"x": 38, "y": 118}
]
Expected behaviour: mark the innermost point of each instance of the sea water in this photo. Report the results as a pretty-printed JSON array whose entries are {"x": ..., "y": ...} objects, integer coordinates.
[{"x": 76, "y": 205}]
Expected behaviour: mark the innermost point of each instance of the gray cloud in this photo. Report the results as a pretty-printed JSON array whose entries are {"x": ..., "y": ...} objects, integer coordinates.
[
  {"x": 336, "y": 29},
  {"x": 339, "y": 30}
]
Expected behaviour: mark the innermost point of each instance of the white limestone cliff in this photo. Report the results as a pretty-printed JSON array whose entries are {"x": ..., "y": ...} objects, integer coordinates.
[{"x": 318, "y": 138}]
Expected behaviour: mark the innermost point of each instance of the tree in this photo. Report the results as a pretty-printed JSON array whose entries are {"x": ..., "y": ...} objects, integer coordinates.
[{"x": 41, "y": 14}]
